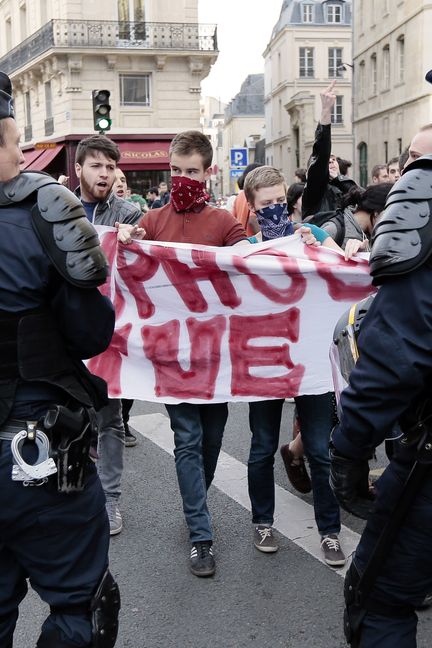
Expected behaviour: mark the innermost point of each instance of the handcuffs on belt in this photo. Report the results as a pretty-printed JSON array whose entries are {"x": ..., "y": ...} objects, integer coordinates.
[{"x": 32, "y": 474}]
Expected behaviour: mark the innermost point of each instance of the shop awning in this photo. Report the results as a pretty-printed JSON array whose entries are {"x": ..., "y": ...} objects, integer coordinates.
[
  {"x": 137, "y": 155},
  {"x": 42, "y": 161},
  {"x": 30, "y": 157}
]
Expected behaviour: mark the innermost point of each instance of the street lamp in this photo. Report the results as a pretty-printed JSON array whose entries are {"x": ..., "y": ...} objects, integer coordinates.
[{"x": 342, "y": 66}]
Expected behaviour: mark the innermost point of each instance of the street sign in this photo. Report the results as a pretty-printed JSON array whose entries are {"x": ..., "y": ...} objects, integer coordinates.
[
  {"x": 236, "y": 173},
  {"x": 239, "y": 157}
]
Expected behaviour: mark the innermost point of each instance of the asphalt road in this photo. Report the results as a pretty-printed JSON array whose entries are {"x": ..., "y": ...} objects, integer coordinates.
[{"x": 290, "y": 599}]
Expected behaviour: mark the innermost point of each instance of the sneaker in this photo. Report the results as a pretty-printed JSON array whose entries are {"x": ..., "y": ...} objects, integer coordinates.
[
  {"x": 333, "y": 554},
  {"x": 202, "y": 562},
  {"x": 130, "y": 439},
  {"x": 114, "y": 517},
  {"x": 264, "y": 539}
]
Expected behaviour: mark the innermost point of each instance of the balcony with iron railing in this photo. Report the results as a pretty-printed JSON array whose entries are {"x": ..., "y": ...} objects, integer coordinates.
[{"x": 85, "y": 34}]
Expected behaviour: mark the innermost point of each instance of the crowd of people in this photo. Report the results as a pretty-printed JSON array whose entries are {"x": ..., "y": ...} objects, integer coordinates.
[{"x": 52, "y": 403}]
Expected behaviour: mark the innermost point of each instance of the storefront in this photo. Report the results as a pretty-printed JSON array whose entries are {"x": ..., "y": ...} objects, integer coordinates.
[{"x": 144, "y": 159}]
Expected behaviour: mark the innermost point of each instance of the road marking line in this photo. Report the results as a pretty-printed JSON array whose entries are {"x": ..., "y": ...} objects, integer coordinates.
[{"x": 294, "y": 518}]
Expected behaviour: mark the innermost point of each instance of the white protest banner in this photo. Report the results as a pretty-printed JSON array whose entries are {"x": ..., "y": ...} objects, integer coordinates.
[{"x": 203, "y": 324}]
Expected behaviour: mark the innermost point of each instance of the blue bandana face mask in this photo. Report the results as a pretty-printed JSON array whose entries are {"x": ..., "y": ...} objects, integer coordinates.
[{"x": 274, "y": 221}]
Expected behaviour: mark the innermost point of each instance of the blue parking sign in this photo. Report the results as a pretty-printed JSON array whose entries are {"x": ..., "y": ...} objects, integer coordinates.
[{"x": 239, "y": 157}]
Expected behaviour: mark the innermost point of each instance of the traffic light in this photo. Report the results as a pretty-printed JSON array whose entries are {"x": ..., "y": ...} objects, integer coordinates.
[{"x": 101, "y": 110}]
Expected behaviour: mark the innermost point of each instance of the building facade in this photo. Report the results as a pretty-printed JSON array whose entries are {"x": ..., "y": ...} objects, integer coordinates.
[
  {"x": 392, "y": 53},
  {"x": 212, "y": 124},
  {"x": 243, "y": 128},
  {"x": 150, "y": 54},
  {"x": 310, "y": 46}
]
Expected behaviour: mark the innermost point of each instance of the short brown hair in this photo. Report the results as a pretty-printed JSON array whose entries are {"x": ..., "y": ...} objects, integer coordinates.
[
  {"x": 193, "y": 141},
  {"x": 263, "y": 176},
  {"x": 99, "y": 143}
]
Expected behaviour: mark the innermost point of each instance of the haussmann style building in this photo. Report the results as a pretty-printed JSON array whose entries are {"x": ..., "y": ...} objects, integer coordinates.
[
  {"x": 392, "y": 53},
  {"x": 309, "y": 47},
  {"x": 150, "y": 54}
]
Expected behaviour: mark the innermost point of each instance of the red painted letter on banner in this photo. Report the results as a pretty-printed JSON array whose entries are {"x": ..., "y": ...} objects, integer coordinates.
[
  {"x": 161, "y": 346},
  {"x": 244, "y": 355}
]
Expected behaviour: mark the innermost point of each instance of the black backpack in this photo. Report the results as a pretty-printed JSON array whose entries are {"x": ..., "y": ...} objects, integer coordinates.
[{"x": 337, "y": 218}]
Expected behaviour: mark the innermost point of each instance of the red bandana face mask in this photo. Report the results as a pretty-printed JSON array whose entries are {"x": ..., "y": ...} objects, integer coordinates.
[{"x": 187, "y": 193}]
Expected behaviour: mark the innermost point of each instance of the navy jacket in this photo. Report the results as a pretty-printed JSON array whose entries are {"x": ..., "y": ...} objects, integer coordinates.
[
  {"x": 28, "y": 280},
  {"x": 395, "y": 363}
]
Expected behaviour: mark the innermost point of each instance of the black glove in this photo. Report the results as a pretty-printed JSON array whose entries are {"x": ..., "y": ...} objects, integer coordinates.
[{"x": 349, "y": 480}]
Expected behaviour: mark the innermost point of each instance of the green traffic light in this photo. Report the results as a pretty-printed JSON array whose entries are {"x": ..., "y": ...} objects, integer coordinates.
[
  {"x": 101, "y": 110},
  {"x": 103, "y": 123}
]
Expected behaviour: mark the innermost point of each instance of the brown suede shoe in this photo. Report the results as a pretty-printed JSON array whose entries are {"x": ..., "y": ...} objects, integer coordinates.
[{"x": 297, "y": 473}]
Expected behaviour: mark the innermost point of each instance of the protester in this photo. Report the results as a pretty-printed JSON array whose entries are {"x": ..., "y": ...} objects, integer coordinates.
[
  {"x": 351, "y": 228},
  {"x": 325, "y": 185},
  {"x": 240, "y": 208},
  {"x": 361, "y": 209},
  {"x": 95, "y": 165},
  {"x": 391, "y": 572},
  {"x": 54, "y": 528},
  {"x": 300, "y": 176},
  {"x": 294, "y": 201},
  {"x": 153, "y": 200},
  {"x": 393, "y": 170},
  {"x": 164, "y": 194},
  {"x": 139, "y": 201},
  {"x": 120, "y": 187},
  {"x": 265, "y": 190},
  {"x": 379, "y": 174},
  {"x": 344, "y": 166},
  {"x": 198, "y": 429}
]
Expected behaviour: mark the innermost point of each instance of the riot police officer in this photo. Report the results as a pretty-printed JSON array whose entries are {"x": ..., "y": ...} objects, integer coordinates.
[
  {"x": 53, "y": 525},
  {"x": 391, "y": 572}
]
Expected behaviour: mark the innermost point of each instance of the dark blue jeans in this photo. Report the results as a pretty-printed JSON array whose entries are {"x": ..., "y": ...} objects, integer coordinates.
[
  {"x": 406, "y": 574},
  {"x": 264, "y": 423},
  {"x": 60, "y": 542},
  {"x": 316, "y": 415},
  {"x": 198, "y": 432},
  {"x": 316, "y": 422}
]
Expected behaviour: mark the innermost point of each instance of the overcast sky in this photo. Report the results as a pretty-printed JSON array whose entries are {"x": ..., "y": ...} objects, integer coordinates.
[{"x": 244, "y": 30}]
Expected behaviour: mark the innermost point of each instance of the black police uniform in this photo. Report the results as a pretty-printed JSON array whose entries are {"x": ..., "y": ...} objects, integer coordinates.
[
  {"x": 53, "y": 531},
  {"x": 391, "y": 384}
]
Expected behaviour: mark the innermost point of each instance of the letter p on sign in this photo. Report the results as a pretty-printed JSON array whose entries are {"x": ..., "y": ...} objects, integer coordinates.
[{"x": 239, "y": 157}]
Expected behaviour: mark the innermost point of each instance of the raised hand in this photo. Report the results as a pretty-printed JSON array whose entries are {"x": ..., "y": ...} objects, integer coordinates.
[{"x": 328, "y": 100}]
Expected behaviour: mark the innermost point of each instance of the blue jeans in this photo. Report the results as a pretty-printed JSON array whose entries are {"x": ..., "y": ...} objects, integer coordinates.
[
  {"x": 317, "y": 418},
  {"x": 405, "y": 576},
  {"x": 198, "y": 432},
  {"x": 264, "y": 423},
  {"x": 316, "y": 422},
  {"x": 111, "y": 440}
]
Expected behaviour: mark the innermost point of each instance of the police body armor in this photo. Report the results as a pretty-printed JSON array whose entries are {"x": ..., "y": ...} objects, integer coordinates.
[
  {"x": 31, "y": 346},
  {"x": 401, "y": 242}
]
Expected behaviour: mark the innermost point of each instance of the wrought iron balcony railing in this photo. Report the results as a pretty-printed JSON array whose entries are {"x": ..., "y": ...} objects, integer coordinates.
[{"x": 87, "y": 34}]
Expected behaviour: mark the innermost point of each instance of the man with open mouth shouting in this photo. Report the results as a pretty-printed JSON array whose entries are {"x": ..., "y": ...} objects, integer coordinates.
[{"x": 95, "y": 165}]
